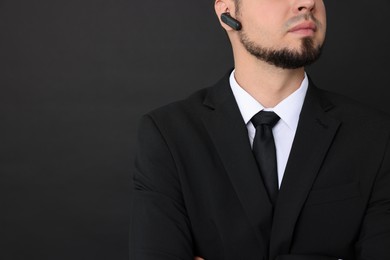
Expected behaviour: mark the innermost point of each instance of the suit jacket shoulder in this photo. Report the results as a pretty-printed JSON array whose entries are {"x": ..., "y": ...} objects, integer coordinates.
[{"x": 348, "y": 108}]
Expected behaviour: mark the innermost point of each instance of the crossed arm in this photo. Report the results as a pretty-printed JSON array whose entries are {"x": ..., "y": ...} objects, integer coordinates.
[{"x": 161, "y": 228}]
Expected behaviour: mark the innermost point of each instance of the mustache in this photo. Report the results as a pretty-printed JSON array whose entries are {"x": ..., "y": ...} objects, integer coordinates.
[{"x": 306, "y": 17}]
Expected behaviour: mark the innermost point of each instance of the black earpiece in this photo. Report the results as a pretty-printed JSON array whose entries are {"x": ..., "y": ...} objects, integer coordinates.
[{"x": 233, "y": 23}]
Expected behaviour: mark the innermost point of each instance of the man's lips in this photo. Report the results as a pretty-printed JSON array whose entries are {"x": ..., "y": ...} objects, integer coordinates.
[{"x": 304, "y": 27}]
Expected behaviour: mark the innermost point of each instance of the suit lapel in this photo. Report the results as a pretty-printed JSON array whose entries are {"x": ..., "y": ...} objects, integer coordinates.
[
  {"x": 229, "y": 134},
  {"x": 315, "y": 133}
]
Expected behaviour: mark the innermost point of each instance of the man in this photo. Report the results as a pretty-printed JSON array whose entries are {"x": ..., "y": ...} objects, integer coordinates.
[{"x": 216, "y": 180}]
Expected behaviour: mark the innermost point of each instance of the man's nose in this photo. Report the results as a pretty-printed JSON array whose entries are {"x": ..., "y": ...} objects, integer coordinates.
[{"x": 304, "y": 6}]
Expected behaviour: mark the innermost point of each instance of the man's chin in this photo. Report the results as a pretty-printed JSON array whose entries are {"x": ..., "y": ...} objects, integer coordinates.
[{"x": 305, "y": 53}]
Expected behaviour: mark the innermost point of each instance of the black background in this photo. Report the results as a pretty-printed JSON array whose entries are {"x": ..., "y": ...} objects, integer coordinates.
[{"x": 75, "y": 77}]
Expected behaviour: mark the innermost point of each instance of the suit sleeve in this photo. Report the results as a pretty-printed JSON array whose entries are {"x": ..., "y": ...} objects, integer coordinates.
[
  {"x": 159, "y": 227},
  {"x": 374, "y": 240}
]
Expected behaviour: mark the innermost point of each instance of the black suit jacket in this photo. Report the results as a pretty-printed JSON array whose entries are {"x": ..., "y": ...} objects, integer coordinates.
[{"x": 197, "y": 189}]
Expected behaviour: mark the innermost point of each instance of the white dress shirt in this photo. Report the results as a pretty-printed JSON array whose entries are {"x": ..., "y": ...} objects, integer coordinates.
[{"x": 288, "y": 110}]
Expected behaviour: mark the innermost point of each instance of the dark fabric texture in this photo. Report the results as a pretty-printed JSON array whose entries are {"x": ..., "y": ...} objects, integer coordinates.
[
  {"x": 198, "y": 191},
  {"x": 265, "y": 151}
]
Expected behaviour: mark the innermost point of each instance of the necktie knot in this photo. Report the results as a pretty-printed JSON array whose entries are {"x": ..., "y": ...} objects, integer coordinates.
[{"x": 265, "y": 118}]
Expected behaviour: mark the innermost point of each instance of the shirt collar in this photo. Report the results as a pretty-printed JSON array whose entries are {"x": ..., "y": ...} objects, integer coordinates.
[{"x": 288, "y": 109}]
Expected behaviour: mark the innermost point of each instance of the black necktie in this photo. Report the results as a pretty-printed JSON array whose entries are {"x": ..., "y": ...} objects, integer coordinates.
[{"x": 265, "y": 152}]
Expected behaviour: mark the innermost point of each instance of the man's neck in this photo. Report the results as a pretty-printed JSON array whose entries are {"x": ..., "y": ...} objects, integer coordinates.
[{"x": 268, "y": 84}]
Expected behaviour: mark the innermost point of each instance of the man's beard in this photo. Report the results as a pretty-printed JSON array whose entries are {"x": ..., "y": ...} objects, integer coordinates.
[{"x": 284, "y": 58}]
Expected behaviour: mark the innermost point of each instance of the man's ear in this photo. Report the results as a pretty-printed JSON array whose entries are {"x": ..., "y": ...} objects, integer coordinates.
[{"x": 223, "y": 6}]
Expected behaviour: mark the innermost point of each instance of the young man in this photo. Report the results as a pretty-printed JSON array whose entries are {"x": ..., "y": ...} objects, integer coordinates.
[{"x": 264, "y": 165}]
